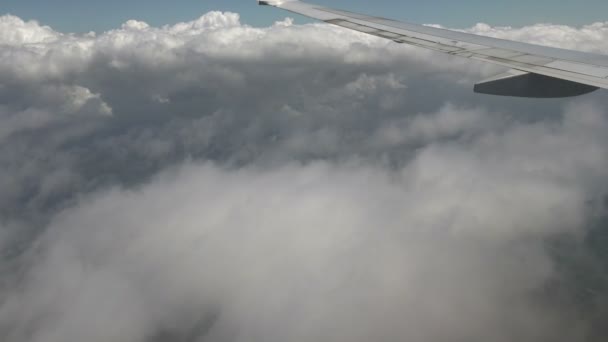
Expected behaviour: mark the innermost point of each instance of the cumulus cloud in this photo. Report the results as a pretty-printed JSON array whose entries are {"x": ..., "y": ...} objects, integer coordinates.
[
  {"x": 587, "y": 38},
  {"x": 16, "y": 32},
  {"x": 212, "y": 181}
]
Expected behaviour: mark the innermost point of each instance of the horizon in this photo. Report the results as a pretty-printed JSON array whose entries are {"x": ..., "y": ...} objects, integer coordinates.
[{"x": 88, "y": 16}]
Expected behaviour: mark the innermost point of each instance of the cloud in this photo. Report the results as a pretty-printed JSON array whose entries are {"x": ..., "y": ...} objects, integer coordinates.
[
  {"x": 17, "y": 32},
  {"x": 301, "y": 250},
  {"x": 587, "y": 38},
  {"x": 212, "y": 181}
]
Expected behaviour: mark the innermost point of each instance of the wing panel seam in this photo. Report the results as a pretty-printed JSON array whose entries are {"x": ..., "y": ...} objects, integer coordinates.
[{"x": 345, "y": 15}]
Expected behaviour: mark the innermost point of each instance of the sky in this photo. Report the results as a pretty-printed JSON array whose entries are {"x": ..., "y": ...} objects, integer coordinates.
[
  {"x": 87, "y": 15},
  {"x": 210, "y": 181}
]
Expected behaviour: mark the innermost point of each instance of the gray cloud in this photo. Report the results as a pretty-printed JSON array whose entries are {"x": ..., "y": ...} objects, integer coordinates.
[{"x": 210, "y": 181}]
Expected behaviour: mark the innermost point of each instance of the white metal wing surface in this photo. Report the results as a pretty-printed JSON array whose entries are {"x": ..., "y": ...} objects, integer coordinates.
[{"x": 537, "y": 71}]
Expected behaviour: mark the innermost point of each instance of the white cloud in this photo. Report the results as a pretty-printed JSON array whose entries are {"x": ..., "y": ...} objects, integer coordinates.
[
  {"x": 210, "y": 21},
  {"x": 316, "y": 183},
  {"x": 14, "y": 31},
  {"x": 338, "y": 252},
  {"x": 590, "y": 38}
]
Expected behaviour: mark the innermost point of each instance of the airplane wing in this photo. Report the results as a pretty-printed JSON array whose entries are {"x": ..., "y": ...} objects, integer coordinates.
[{"x": 536, "y": 71}]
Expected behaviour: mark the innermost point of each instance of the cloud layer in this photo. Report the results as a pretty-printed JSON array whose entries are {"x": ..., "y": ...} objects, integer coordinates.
[{"x": 211, "y": 181}]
